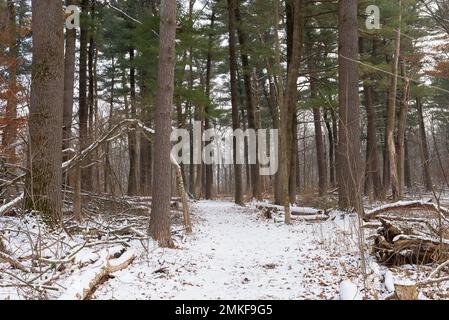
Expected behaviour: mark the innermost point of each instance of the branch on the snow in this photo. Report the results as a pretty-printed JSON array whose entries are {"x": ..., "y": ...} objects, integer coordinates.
[
  {"x": 14, "y": 262},
  {"x": 295, "y": 211},
  {"x": 8, "y": 206},
  {"x": 408, "y": 205},
  {"x": 308, "y": 218},
  {"x": 85, "y": 283}
]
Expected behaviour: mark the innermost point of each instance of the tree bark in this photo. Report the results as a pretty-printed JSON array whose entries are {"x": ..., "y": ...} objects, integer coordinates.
[
  {"x": 238, "y": 183},
  {"x": 319, "y": 143},
  {"x": 391, "y": 116},
  {"x": 402, "y": 127},
  {"x": 287, "y": 108},
  {"x": 372, "y": 157},
  {"x": 249, "y": 95},
  {"x": 331, "y": 155},
  {"x": 44, "y": 178},
  {"x": 425, "y": 156},
  {"x": 69, "y": 82},
  {"x": 132, "y": 138},
  {"x": 207, "y": 123},
  {"x": 145, "y": 145},
  {"x": 160, "y": 214},
  {"x": 10, "y": 132},
  {"x": 350, "y": 179},
  {"x": 83, "y": 111}
]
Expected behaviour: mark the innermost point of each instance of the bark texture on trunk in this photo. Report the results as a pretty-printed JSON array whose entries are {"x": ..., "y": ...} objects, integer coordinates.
[
  {"x": 319, "y": 143},
  {"x": 44, "y": 178},
  {"x": 10, "y": 132},
  {"x": 160, "y": 214},
  {"x": 238, "y": 183},
  {"x": 83, "y": 112},
  {"x": 391, "y": 117},
  {"x": 425, "y": 155},
  {"x": 372, "y": 157},
  {"x": 69, "y": 82},
  {"x": 132, "y": 138},
  {"x": 209, "y": 185},
  {"x": 249, "y": 96},
  {"x": 350, "y": 179}
]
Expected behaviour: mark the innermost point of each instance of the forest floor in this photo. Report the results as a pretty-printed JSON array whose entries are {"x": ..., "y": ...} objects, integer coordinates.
[{"x": 234, "y": 253}]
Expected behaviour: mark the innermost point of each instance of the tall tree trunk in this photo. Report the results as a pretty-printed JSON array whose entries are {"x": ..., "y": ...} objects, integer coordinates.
[
  {"x": 287, "y": 107},
  {"x": 350, "y": 179},
  {"x": 402, "y": 127},
  {"x": 391, "y": 115},
  {"x": 83, "y": 112},
  {"x": 372, "y": 157},
  {"x": 44, "y": 176},
  {"x": 294, "y": 159},
  {"x": 331, "y": 152},
  {"x": 10, "y": 132},
  {"x": 407, "y": 169},
  {"x": 250, "y": 105},
  {"x": 319, "y": 143},
  {"x": 425, "y": 155},
  {"x": 335, "y": 135},
  {"x": 207, "y": 123},
  {"x": 238, "y": 183},
  {"x": 160, "y": 214},
  {"x": 91, "y": 95},
  {"x": 69, "y": 82},
  {"x": 107, "y": 166},
  {"x": 145, "y": 145},
  {"x": 132, "y": 139}
]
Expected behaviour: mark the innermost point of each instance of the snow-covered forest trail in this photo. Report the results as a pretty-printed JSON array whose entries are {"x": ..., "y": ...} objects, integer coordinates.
[{"x": 234, "y": 253}]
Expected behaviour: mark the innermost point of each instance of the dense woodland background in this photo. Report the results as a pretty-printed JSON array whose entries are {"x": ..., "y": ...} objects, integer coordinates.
[{"x": 362, "y": 113}]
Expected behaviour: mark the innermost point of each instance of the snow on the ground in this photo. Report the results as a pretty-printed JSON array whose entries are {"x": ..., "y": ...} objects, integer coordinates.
[{"x": 236, "y": 254}]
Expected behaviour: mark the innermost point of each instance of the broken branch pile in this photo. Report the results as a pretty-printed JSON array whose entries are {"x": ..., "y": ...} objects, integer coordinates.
[{"x": 411, "y": 233}]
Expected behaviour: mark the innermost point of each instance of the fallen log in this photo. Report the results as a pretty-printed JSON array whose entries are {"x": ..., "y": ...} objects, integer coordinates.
[
  {"x": 408, "y": 205},
  {"x": 14, "y": 262},
  {"x": 311, "y": 218},
  {"x": 295, "y": 211},
  {"x": 8, "y": 206},
  {"x": 85, "y": 283}
]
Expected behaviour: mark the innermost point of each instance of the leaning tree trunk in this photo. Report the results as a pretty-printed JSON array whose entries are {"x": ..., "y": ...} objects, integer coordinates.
[
  {"x": 350, "y": 179},
  {"x": 391, "y": 116},
  {"x": 160, "y": 214},
  {"x": 44, "y": 176}
]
